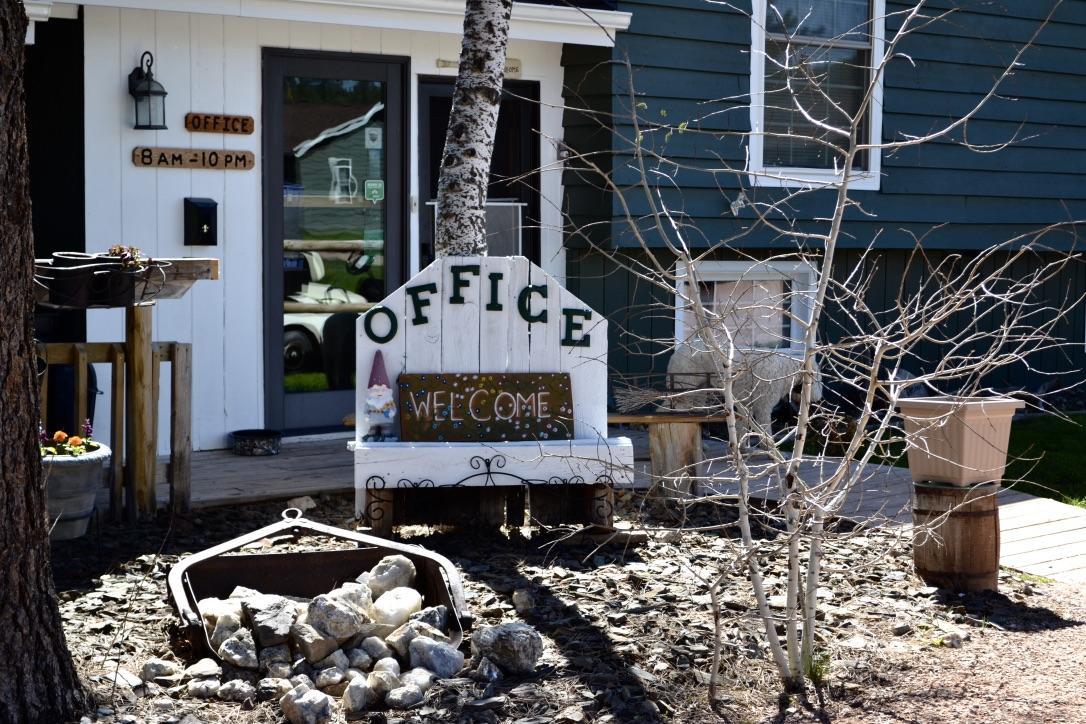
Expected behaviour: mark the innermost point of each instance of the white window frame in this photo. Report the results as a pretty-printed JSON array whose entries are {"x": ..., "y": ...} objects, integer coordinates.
[
  {"x": 867, "y": 179},
  {"x": 802, "y": 275}
]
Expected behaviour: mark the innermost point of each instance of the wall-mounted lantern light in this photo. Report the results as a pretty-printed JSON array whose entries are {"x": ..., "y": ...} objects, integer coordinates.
[{"x": 149, "y": 95}]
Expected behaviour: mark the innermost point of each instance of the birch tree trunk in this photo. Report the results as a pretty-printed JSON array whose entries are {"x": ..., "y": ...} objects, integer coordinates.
[
  {"x": 38, "y": 682},
  {"x": 473, "y": 121}
]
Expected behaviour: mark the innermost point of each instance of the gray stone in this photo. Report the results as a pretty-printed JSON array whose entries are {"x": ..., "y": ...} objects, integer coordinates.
[
  {"x": 514, "y": 647},
  {"x": 388, "y": 664},
  {"x": 240, "y": 650},
  {"x": 314, "y": 645},
  {"x": 226, "y": 626},
  {"x": 274, "y": 654},
  {"x": 952, "y": 640},
  {"x": 353, "y": 674},
  {"x": 901, "y": 628},
  {"x": 391, "y": 572},
  {"x": 436, "y": 616},
  {"x": 376, "y": 648},
  {"x": 400, "y": 639},
  {"x": 419, "y": 677},
  {"x": 523, "y": 601},
  {"x": 356, "y": 594},
  {"x": 202, "y": 669},
  {"x": 404, "y": 697},
  {"x": 330, "y": 677},
  {"x": 302, "y": 705},
  {"x": 357, "y": 697},
  {"x": 270, "y": 618},
  {"x": 157, "y": 668},
  {"x": 272, "y": 688},
  {"x": 203, "y": 688},
  {"x": 301, "y": 666},
  {"x": 359, "y": 659},
  {"x": 382, "y": 682},
  {"x": 335, "y": 660},
  {"x": 487, "y": 671},
  {"x": 237, "y": 690},
  {"x": 441, "y": 658},
  {"x": 279, "y": 670},
  {"x": 300, "y": 679},
  {"x": 335, "y": 616}
]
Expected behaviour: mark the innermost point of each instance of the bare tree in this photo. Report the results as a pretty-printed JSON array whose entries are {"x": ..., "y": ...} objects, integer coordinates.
[
  {"x": 38, "y": 682},
  {"x": 473, "y": 121},
  {"x": 955, "y": 321}
]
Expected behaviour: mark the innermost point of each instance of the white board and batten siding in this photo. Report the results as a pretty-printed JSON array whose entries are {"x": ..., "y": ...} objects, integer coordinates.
[{"x": 467, "y": 337}]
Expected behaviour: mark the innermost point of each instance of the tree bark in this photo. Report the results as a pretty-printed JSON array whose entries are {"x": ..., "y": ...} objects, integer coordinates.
[
  {"x": 38, "y": 682},
  {"x": 473, "y": 121}
]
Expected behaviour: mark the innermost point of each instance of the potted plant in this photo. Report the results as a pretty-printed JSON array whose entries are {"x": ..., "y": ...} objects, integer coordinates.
[
  {"x": 958, "y": 440},
  {"x": 72, "y": 466}
]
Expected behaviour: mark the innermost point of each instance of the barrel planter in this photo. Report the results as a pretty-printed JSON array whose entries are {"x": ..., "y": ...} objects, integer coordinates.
[
  {"x": 958, "y": 440},
  {"x": 956, "y": 536},
  {"x": 72, "y": 483}
]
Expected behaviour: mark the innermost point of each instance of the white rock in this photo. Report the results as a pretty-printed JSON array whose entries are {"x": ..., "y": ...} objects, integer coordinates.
[
  {"x": 422, "y": 678},
  {"x": 314, "y": 645},
  {"x": 388, "y": 664},
  {"x": 376, "y": 648},
  {"x": 404, "y": 697},
  {"x": 203, "y": 688},
  {"x": 336, "y": 660},
  {"x": 357, "y": 697},
  {"x": 240, "y": 650},
  {"x": 302, "y": 503},
  {"x": 391, "y": 572},
  {"x": 382, "y": 682},
  {"x": 272, "y": 688},
  {"x": 353, "y": 674},
  {"x": 330, "y": 677},
  {"x": 226, "y": 626},
  {"x": 359, "y": 659},
  {"x": 400, "y": 639},
  {"x": 336, "y": 616},
  {"x": 244, "y": 592},
  {"x": 307, "y": 707},
  {"x": 203, "y": 669},
  {"x": 154, "y": 668},
  {"x": 395, "y": 607},
  {"x": 302, "y": 680},
  {"x": 441, "y": 658},
  {"x": 211, "y": 608},
  {"x": 237, "y": 690}
]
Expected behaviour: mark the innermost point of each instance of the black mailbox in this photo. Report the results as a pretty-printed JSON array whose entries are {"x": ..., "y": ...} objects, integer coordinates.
[{"x": 201, "y": 222}]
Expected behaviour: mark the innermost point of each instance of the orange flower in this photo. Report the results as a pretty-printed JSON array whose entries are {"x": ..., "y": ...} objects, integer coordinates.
[
  {"x": 60, "y": 436},
  {"x": 75, "y": 441}
]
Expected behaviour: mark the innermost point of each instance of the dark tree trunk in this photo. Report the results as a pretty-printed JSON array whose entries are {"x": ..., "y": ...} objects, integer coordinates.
[
  {"x": 38, "y": 682},
  {"x": 473, "y": 121}
]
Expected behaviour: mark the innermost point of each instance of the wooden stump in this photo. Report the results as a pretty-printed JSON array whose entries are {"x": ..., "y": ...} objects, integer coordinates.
[
  {"x": 677, "y": 457},
  {"x": 956, "y": 536}
]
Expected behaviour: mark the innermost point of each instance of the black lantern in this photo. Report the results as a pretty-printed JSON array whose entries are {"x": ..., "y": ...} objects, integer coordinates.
[{"x": 149, "y": 94}]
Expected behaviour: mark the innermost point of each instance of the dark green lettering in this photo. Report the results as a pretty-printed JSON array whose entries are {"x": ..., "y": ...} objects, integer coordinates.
[
  {"x": 458, "y": 281},
  {"x": 417, "y": 303},
  {"x": 524, "y": 303},
  {"x": 575, "y": 325},
  {"x": 494, "y": 305},
  {"x": 367, "y": 324}
]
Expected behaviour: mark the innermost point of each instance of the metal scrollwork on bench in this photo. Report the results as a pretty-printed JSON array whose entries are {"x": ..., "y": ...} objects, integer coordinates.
[{"x": 490, "y": 473}]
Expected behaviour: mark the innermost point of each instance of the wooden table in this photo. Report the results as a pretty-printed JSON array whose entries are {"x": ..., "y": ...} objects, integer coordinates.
[
  {"x": 140, "y": 443},
  {"x": 675, "y": 450}
]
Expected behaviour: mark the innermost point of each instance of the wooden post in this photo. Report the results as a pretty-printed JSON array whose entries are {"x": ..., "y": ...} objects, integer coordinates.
[
  {"x": 677, "y": 456},
  {"x": 79, "y": 364},
  {"x": 116, "y": 423},
  {"x": 181, "y": 428},
  {"x": 44, "y": 399},
  {"x": 380, "y": 511},
  {"x": 140, "y": 444}
]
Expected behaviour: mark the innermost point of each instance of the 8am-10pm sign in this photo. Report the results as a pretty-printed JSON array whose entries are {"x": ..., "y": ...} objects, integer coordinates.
[{"x": 464, "y": 407}]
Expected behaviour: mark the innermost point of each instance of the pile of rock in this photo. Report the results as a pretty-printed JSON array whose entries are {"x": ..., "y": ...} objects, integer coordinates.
[{"x": 367, "y": 643}]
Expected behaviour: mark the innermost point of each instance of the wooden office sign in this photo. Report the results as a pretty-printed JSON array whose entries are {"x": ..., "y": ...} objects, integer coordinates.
[
  {"x": 467, "y": 407},
  {"x": 219, "y": 123},
  {"x": 210, "y": 158}
]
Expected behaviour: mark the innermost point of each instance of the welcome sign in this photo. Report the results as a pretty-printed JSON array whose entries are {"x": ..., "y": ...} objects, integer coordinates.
[{"x": 460, "y": 407}]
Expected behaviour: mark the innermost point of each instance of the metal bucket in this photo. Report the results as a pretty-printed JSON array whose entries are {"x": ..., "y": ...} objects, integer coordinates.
[{"x": 210, "y": 573}]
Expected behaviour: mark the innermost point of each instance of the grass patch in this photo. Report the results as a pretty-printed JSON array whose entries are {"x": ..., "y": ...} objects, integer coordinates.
[
  {"x": 1047, "y": 454},
  {"x": 305, "y": 382}
]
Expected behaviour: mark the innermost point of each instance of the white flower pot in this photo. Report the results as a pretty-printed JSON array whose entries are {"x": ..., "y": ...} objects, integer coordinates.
[
  {"x": 958, "y": 440},
  {"x": 72, "y": 483}
]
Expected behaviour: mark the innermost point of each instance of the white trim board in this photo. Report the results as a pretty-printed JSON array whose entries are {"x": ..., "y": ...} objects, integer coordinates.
[{"x": 530, "y": 22}]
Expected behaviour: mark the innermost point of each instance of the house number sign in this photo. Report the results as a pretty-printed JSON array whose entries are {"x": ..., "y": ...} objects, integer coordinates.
[
  {"x": 499, "y": 407},
  {"x": 219, "y": 123},
  {"x": 152, "y": 157}
]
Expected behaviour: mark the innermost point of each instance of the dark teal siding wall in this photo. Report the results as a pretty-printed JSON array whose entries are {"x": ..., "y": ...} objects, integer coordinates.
[{"x": 691, "y": 63}]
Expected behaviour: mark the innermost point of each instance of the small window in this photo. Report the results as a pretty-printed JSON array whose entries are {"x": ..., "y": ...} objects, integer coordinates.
[
  {"x": 818, "y": 55},
  {"x": 761, "y": 305}
]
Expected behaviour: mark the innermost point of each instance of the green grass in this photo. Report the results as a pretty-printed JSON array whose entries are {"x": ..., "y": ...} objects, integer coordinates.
[
  {"x": 305, "y": 382},
  {"x": 1049, "y": 455}
]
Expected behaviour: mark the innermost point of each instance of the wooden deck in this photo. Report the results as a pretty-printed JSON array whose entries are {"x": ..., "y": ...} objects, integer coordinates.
[{"x": 1038, "y": 536}]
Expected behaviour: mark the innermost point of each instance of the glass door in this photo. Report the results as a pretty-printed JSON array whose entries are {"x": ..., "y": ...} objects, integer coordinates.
[{"x": 334, "y": 221}]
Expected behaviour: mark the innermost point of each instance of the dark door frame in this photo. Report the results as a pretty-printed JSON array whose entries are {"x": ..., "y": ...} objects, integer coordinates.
[
  {"x": 433, "y": 86},
  {"x": 278, "y": 63}
]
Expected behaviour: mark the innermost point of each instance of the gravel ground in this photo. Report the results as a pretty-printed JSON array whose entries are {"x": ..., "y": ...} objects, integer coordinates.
[{"x": 628, "y": 632}]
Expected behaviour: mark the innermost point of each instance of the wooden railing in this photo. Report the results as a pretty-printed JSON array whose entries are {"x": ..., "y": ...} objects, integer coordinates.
[{"x": 178, "y": 471}]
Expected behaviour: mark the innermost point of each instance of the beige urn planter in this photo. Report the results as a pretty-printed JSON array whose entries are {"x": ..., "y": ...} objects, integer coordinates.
[{"x": 958, "y": 440}]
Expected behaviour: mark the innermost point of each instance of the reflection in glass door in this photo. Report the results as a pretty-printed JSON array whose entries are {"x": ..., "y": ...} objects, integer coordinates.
[{"x": 333, "y": 225}]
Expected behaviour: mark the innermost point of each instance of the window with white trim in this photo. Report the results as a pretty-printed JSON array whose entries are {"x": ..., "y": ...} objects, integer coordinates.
[
  {"x": 763, "y": 305},
  {"x": 811, "y": 63}
]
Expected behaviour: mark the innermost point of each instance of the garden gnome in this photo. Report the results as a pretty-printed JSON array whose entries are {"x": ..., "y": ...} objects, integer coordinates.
[{"x": 380, "y": 403}]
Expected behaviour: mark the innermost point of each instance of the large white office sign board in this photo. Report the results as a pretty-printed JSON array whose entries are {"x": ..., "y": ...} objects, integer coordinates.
[{"x": 486, "y": 315}]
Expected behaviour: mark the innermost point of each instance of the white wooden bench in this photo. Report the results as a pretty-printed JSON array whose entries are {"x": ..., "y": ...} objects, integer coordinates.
[{"x": 487, "y": 315}]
